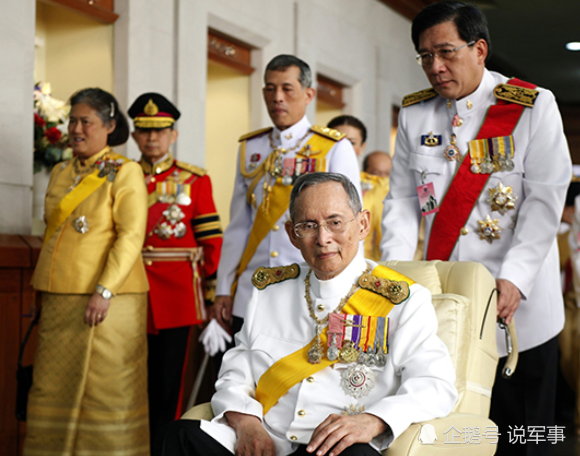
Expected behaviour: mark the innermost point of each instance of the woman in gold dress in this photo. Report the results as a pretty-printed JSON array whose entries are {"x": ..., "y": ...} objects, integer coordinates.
[{"x": 89, "y": 395}]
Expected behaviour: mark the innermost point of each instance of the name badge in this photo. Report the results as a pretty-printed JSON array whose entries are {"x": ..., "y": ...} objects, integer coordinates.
[{"x": 427, "y": 199}]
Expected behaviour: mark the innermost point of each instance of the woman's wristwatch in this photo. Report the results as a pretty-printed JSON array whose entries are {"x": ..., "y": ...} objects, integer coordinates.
[{"x": 105, "y": 293}]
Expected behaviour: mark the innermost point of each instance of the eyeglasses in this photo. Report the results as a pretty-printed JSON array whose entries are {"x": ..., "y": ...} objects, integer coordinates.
[
  {"x": 309, "y": 229},
  {"x": 426, "y": 59}
]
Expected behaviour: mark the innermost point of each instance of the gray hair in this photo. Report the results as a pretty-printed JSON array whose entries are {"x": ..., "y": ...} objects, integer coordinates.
[
  {"x": 314, "y": 179},
  {"x": 283, "y": 61}
]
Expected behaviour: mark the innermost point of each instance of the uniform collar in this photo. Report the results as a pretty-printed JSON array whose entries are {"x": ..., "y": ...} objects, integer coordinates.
[
  {"x": 340, "y": 285},
  {"x": 158, "y": 167},
  {"x": 93, "y": 158},
  {"x": 480, "y": 99},
  {"x": 289, "y": 137}
]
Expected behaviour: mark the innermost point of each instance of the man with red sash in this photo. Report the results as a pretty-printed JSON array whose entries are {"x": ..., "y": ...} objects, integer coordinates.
[
  {"x": 336, "y": 353},
  {"x": 269, "y": 161},
  {"x": 181, "y": 252},
  {"x": 484, "y": 159}
]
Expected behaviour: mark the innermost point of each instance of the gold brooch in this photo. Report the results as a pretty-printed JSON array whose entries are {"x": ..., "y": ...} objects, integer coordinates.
[
  {"x": 501, "y": 198},
  {"x": 81, "y": 224},
  {"x": 489, "y": 229}
]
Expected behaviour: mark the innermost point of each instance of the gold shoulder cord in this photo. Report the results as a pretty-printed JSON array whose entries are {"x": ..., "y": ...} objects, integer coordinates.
[
  {"x": 271, "y": 167},
  {"x": 245, "y": 173}
]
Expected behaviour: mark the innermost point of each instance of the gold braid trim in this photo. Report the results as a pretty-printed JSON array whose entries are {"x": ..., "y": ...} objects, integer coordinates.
[{"x": 245, "y": 173}]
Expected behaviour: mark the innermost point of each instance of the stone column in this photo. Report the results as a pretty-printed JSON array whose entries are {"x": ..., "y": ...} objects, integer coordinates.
[
  {"x": 144, "y": 54},
  {"x": 17, "y": 23}
]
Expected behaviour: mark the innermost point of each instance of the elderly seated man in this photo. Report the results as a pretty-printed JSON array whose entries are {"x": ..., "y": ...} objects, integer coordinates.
[{"x": 337, "y": 355}]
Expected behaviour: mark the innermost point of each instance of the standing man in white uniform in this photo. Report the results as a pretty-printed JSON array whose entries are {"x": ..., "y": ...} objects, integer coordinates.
[
  {"x": 485, "y": 160},
  {"x": 269, "y": 162},
  {"x": 337, "y": 355}
]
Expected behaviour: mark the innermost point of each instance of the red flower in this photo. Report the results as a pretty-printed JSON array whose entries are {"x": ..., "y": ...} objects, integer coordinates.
[
  {"x": 53, "y": 134},
  {"x": 39, "y": 120}
]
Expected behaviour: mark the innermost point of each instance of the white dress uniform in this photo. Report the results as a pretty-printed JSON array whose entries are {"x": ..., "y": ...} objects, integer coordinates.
[
  {"x": 526, "y": 254},
  {"x": 275, "y": 249},
  {"x": 416, "y": 384}
]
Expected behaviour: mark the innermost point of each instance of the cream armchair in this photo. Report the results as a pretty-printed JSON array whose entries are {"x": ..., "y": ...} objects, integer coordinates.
[{"x": 466, "y": 310}]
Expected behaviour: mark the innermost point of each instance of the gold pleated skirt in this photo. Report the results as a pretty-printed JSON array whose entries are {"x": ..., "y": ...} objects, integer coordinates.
[{"x": 89, "y": 394}]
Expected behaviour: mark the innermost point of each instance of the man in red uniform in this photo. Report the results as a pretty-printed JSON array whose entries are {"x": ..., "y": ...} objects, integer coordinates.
[{"x": 181, "y": 252}]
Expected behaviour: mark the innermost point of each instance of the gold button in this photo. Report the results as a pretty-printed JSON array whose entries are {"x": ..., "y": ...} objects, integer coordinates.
[
  {"x": 464, "y": 231},
  {"x": 301, "y": 413},
  {"x": 293, "y": 437},
  {"x": 274, "y": 254},
  {"x": 310, "y": 379},
  {"x": 152, "y": 179},
  {"x": 320, "y": 307},
  {"x": 275, "y": 228},
  {"x": 148, "y": 263},
  {"x": 157, "y": 170},
  {"x": 149, "y": 248},
  {"x": 459, "y": 122}
]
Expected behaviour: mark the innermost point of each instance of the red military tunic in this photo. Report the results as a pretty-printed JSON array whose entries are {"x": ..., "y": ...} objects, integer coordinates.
[{"x": 182, "y": 217}]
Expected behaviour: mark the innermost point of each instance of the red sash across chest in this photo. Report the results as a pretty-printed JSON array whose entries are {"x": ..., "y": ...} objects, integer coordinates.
[{"x": 466, "y": 187}]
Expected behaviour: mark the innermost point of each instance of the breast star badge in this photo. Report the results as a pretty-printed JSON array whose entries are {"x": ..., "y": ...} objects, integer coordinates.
[
  {"x": 489, "y": 229},
  {"x": 501, "y": 198}
]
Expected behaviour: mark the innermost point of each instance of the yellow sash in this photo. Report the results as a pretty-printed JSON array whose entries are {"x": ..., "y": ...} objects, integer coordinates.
[
  {"x": 70, "y": 202},
  {"x": 279, "y": 202},
  {"x": 77, "y": 195},
  {"x": 293, "y": 368}
]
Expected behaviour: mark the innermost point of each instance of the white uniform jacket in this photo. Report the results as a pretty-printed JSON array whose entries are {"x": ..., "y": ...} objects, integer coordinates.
[
  {"x": 416, "y": 384},
  {"x": 275, "y": 249},
  {"x": 527, "y": 253}
]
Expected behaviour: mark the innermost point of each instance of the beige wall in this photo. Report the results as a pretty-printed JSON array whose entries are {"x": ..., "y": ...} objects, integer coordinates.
[
  {"x": 325, "y": 113},
  {"x": 77, "y": 52},
  {"x": 227, "y": 118}
]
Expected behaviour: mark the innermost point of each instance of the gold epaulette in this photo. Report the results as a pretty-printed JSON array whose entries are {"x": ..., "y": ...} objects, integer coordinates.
[
  {"x": 516, "y": 94},
  {"x": 395, "y": 291},
  {"x": 191, "y": 168},
  {"x": 255, "y": 133},
  {"x": 329, "y": 133},
  {"x": 417, "y": 97},
  {"x": 267, "y": 276}
]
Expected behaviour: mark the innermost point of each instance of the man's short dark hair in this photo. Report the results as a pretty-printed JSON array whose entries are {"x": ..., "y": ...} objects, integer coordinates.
[
  {"x": 469, "y": 20},
  {"x": 283, "y": 61},
  {"x": 351, "y": 121},
  {"x": 314, "y": 179}
]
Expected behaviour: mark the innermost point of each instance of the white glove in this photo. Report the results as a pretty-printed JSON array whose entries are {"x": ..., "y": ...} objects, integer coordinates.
[{"x": 214, "y": 338}]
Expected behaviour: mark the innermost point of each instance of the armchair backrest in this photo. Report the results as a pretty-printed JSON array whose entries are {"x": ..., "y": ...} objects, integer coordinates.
[{"x": 466, "y": 310}]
